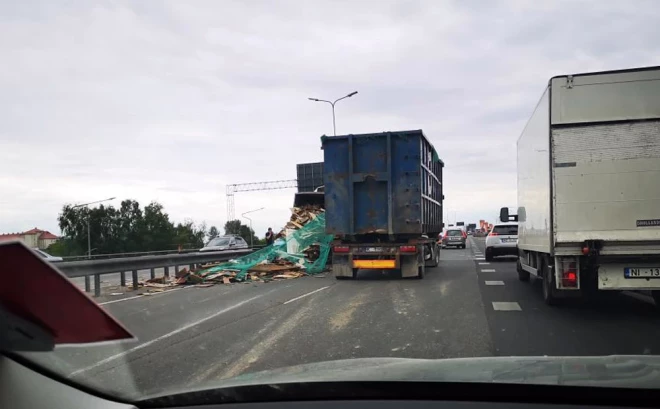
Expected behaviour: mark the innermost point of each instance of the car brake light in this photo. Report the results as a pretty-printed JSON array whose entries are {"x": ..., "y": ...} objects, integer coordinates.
[
  {"x": 408, "y": 249},
  {"x": 464, "y": 235},
  {"x": 492, "y": 234},
  {"x": 341, "y": 249}
]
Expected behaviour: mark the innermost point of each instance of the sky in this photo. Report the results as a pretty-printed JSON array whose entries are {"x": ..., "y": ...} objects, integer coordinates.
[{"x": 171, "y": 101}]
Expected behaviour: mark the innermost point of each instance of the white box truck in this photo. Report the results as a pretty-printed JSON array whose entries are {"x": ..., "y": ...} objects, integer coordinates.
[{"x": 589, "y": 185}]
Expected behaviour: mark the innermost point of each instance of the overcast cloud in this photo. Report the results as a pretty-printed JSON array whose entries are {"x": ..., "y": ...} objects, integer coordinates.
[{"x": 172, "y": 101}]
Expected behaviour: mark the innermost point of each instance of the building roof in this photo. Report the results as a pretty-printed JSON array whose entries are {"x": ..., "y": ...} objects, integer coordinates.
[
  {"x": 33, "y": 231},
  {"x": 43, "y": 234},
  {"x": 47, "y": 235},
  {"x": 9, "y": 236}
]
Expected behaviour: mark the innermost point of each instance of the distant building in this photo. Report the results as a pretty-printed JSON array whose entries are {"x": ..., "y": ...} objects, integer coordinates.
[{"x": 34, "y": 238}]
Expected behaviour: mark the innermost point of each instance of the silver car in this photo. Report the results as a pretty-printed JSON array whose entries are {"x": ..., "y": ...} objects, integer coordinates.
[
  {"x": 454, "y": 238},
  {"x": 47, "y": 256},
  {"x": 221, "y": 243}
]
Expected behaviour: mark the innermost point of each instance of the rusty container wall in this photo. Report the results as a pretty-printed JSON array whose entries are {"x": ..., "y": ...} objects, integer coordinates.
[{"x": 383, "y": 183}]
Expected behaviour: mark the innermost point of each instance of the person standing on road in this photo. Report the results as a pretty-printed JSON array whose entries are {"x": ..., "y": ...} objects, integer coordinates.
[{"x": 270, "y": 237}]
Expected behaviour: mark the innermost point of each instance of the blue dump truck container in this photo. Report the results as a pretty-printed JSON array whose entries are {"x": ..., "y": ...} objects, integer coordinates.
[{"x": 383, "y": 201}]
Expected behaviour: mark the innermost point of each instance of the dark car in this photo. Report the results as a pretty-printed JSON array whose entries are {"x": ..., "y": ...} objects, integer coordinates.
[{"x": 454, "y": 238}]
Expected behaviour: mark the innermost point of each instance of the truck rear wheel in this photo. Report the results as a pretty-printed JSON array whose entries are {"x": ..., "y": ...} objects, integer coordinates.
[
  {"x": 522, "y": 274},
  {"x": 422, "y": 267},
  {"x": 548, "y": 283},
  {"x": 435, "y": 256}
]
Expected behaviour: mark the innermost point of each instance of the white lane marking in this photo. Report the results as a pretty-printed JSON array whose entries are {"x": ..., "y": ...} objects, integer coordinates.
[
  {"x": 138, "y": 296},
  {"x": 305, "y": 295},
  {"x": 483, "y": 264},
  {"x": 487, "y": 270},
  {"x": 479, "y": 258},
  {"x": 506, "y": 306},
  {"x": 495, "y": 282},
  {"x": 162, "y": 337}
]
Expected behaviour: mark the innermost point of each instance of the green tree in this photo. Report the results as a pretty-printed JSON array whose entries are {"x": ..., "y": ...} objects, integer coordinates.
[
  {"x": 127, "y": 229},
  {"x": 213, "y": 231},
  {"x": 189, "y": 235},
  {"x": 240, "y": 229}
]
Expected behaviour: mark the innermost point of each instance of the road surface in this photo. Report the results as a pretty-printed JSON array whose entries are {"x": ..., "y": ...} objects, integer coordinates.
[{"x": 466, "y": 307}]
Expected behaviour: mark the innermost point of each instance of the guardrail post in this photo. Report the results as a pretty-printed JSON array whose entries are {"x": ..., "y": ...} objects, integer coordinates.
[
  {"x": 122, "y": 279},
  {"x": 167, "y": 271},
  {"x": 176, "y": 270},
  {"x": 152, "y": 273},
  {"x": 97, "y": 285},
  {"x": 135, "y": 280},
  {"x": 190, "y": 267},
  {"x": 87, "y": 289}
]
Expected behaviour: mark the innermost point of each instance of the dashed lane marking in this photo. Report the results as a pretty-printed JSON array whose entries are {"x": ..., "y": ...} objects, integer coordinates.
[
  {"x": 305, "y": 295},
  {"x": 506, "y": 306},
  {"x": 140, "y": 296},
  {"x": 484, "y": 264},
  {"x": 487, "y": 270},
  {"x": 495, "y": 282},
  {"x": 165, "y": 336},
  {"x": 479, "y": 258}
]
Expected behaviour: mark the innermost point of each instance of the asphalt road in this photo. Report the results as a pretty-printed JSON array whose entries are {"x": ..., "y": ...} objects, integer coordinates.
[{"x": 463, "y": 308}]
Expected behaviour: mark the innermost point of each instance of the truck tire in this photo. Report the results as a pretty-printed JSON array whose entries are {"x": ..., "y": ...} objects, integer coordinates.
[
  {"x": 489, "y": 254},
  {"x": 548, "y": 279},
  {"x": 435, "y": 256},
  {"x": 522, "y": 274},
  {"x": 422, "y": 267},
  {"x": 354, "y": 277}
]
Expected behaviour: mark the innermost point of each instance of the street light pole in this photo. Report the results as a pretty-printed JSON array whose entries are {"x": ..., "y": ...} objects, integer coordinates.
[
  {"x": 251, "y": 231},
  {"x": 332, "y": 103},
  {"x": 89, "y": 235}
]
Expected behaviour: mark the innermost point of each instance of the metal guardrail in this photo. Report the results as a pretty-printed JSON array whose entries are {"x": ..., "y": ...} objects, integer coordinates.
[
  {"x": 96, "y": 268},
  {"x": 134, "y": 254}
]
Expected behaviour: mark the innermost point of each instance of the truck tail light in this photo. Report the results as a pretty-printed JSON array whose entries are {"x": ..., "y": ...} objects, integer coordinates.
[
  {"x": 408, "y": 249},
  {"x": 341, "y": 249},
  {"x": 491, "y": 234},
  {"x": 569, "y": 274}
]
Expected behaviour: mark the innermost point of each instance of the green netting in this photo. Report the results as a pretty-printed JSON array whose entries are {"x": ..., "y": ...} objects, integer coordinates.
[{"x": 312, "y": 233}]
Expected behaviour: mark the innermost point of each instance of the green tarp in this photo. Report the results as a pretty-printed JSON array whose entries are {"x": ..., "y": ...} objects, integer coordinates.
[{"x": 298, "y": 240}]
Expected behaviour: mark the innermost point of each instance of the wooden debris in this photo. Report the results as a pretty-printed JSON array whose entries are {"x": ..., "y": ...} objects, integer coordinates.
[
  {"x": 288, "y": 275},
  {"x": 299, "y": 217},
  {"x": 157, "y": 285},
  {"x": 181, "y": 273},
  {"x": 205, "y": 285},
  {"x": 271, "y": 268}
]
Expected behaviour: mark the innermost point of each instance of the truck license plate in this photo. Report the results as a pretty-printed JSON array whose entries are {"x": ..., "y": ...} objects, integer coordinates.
[
  {"x": 641, "y": 272},
  {"x": 374, "y": 249}
]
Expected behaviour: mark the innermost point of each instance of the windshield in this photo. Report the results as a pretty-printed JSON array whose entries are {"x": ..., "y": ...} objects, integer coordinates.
[
  {"x": 217, "y": 242},
  {"x": 348, "y": 145}
]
